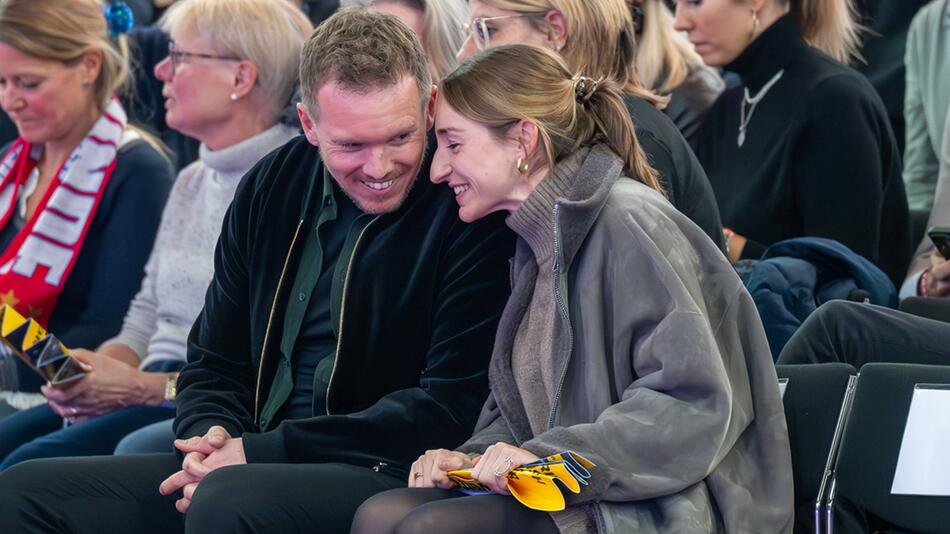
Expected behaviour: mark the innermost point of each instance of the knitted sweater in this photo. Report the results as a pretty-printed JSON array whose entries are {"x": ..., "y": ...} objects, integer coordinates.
[
  {"x": 531, "y": 355},
  {"x": 181, "y": 264}
]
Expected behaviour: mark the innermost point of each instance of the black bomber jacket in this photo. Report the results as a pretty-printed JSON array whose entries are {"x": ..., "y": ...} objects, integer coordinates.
[{"x": 417, "y": 312}]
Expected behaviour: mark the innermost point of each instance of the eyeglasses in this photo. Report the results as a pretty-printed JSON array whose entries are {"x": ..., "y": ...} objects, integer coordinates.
[
  {"x": 177, "y": 55},
  {"x": 479, "y": 29}
]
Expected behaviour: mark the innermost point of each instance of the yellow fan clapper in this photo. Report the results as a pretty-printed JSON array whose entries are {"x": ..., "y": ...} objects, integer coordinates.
[{"x": 533, "y": 484}]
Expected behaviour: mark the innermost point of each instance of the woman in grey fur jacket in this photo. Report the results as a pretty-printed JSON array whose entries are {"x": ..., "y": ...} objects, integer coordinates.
[{"x": 628, "y": 338}]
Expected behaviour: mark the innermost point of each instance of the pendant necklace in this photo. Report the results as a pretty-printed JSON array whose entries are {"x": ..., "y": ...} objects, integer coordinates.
[{"x": 752, "y": 102}]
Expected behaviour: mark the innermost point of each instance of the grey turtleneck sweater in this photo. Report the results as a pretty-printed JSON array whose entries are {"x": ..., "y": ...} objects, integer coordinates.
[
  {"x": 181, "y": 264},
  {"x": 531, "y": 357}
]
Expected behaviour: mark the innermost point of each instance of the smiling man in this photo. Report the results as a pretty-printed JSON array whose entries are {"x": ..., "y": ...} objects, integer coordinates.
[{"x": 347, "y": 329}]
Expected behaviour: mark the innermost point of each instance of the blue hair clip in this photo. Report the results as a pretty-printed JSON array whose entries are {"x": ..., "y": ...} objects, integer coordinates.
[{"x": 119, "y": 18}]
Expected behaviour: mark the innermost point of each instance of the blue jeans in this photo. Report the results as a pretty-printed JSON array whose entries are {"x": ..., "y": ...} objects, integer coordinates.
[
  {"x": 39, "y": 433},
  {"x": 156, "y": 437}
]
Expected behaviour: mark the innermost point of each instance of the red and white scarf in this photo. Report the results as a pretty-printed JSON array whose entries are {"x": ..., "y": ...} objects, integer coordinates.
[{"x": 35, "y": 266}]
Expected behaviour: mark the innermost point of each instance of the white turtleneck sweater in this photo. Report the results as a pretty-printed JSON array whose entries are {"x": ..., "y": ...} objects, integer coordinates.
[{"x": 182, "y": 261}]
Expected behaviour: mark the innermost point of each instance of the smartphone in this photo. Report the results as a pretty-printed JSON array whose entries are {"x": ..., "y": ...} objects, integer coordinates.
[{"x": 940, "y": 235}]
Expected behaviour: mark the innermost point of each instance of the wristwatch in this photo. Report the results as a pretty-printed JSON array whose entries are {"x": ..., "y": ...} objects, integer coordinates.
[{"x": 171, "y": 387}]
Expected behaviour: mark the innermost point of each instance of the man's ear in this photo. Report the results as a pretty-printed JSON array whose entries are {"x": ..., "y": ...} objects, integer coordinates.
[
  {"x": 559, "y": 29},
  {"x": 244, "y": 79},
  {"x": 308, "y": 124},
  {"x": 430, "y": 108}
]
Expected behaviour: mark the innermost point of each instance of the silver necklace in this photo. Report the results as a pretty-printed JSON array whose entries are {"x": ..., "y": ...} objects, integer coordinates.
[{"x": 752, "y": 102}]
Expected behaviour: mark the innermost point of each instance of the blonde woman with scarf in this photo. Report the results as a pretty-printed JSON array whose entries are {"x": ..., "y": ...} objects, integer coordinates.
[{"x": 81, "y": 191}]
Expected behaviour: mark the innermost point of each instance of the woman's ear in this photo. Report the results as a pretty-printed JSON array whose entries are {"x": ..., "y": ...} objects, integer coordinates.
[
  {"x": 244, "y": 79},
  {"x": 528, "y": 138},
  {"x": 558, "y": 29},
  {"x": 91, "y": 65}
]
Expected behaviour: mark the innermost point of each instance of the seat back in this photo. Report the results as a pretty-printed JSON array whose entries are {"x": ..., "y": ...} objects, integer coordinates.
[
  {"x": 872, "y": 438},
  {"x": 813, "y": 399}
]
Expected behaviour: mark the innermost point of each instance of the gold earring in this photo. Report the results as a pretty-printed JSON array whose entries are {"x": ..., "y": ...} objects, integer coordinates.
[
  {"x": 522, "y": 166},
  {"x": 755, "y": 23}
]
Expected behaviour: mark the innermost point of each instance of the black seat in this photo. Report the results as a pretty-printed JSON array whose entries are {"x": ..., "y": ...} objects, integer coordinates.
[
  {"x": 813, "y": 398},
  {"x": 937, "y": 309},
  {"x": 870, "y": 445}
]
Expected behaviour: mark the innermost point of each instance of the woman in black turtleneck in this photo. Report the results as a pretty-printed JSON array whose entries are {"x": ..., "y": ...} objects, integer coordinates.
[{"x": 817, "y": 156}]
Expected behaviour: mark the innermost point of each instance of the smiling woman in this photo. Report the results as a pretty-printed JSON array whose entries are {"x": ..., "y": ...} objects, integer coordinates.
[
  {"x": 627, "y": 338},
  {"x": 577, "y": 30}
]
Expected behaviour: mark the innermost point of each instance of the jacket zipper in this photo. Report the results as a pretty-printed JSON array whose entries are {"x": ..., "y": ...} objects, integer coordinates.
[
  {"x": 562, "y": 310},
  {"x": 270, "y": 319},
  {"x": 346, "y": 282}
]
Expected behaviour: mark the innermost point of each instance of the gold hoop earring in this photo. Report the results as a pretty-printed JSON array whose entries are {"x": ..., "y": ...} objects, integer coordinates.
[
  {"x": 522, "y": 166},
  {"x": 755, "y": 25}
]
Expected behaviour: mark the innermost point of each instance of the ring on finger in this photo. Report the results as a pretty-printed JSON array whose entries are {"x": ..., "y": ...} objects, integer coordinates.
[
  {"x": 504, "y": 470},
  {"x": 417, "y": 474}
]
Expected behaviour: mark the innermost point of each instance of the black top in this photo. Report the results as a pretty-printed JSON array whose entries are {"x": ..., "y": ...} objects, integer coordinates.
[
  {"x": 109, "y": 268},
  {"x": 819, "y": 158},
  {"x": 312, "y": 358},
  {"x": 680, "y": 173},
  {"x": 417, "y": 307},
  {"x": 8, "y": 130}
]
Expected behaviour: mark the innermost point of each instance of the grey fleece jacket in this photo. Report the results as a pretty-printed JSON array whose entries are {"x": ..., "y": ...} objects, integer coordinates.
[{"x": 666, "y": 380}]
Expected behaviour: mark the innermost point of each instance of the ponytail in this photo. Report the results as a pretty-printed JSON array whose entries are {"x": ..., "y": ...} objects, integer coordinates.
[
  {"x": 830, "y": 26},
  {"x": 506, "y": 84},
  {"x": 602, "y": 101}
]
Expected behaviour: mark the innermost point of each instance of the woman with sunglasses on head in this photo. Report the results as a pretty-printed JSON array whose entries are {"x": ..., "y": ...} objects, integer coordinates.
[
  {"x": 803, "y": 147},
  {"x": 628, "y": 338},
  {"x": 668, "y": 65},
  {"x": 578, "y": 30},
  {"x": 227, "y": 87},
  {"x": 81, "y": 190}
]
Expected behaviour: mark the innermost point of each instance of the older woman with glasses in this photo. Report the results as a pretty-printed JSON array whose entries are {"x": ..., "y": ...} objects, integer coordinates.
[
  {"x": 578, "y": 31},
  {"x": 227, "y": 78}
]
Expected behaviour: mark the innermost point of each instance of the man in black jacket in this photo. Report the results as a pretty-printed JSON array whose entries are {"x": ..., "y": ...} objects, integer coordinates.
[{"x": 347, "y": 329}]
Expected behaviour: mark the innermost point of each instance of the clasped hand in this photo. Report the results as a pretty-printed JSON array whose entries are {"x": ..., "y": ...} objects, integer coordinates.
[
  {"x": 491, "y": 468},
  {"x": 203, "y": 454}
]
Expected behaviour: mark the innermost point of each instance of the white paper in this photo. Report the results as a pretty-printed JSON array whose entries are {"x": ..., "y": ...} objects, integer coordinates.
[
  {"x": 923, "y": 465},
  {"x": 782, "y": 384}
]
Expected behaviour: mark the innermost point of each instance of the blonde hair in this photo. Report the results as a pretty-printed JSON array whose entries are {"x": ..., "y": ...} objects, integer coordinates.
[
  {"x": 443, "y": 33},
  {"x": 665, "y": 58},
  {"x": 507, "y": 84},
  {"x": 830, "y": 26},
  {"x": 268, "y": 33},
  {"x": 601, "y": 41},
  {"x": 65, "y": 30}
]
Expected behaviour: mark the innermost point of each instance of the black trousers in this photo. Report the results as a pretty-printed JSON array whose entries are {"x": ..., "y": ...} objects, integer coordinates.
[
  {"x": 855, "y": 333},
  {"x": 105, "y": 494}
]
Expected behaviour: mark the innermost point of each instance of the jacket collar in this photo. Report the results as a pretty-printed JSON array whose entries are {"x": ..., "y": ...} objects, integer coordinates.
[
  {"x": 583, "y": 201},
  {"x": 773, "y": 50}
]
